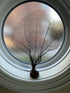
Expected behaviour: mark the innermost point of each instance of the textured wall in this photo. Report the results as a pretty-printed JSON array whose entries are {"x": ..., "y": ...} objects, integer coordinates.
[{"x": 63, "y": 90}]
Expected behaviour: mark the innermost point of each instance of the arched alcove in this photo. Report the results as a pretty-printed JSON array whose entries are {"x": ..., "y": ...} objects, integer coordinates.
[{"x": 15, "y": 76}]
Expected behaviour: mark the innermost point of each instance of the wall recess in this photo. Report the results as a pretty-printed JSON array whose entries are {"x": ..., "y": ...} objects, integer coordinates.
[{"x": 17, "y": 74}]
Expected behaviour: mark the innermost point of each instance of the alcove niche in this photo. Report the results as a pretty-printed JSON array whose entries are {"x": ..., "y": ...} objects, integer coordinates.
[{"x": 54, "y": 71}]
